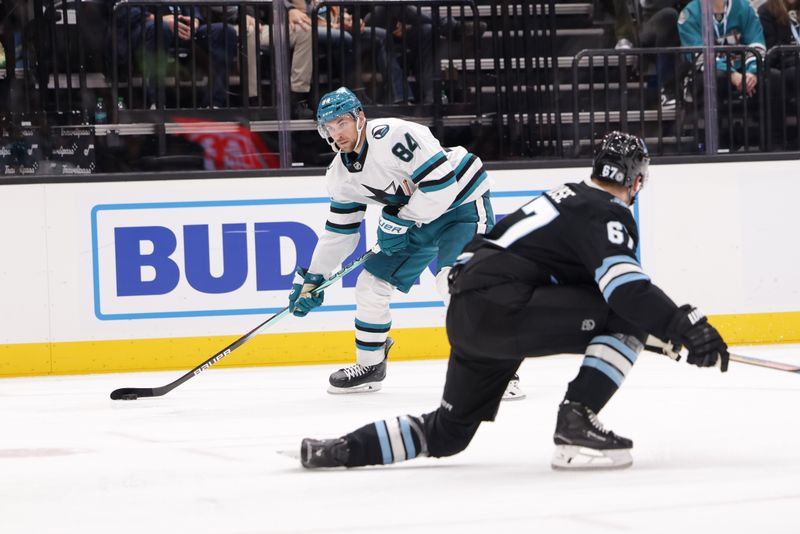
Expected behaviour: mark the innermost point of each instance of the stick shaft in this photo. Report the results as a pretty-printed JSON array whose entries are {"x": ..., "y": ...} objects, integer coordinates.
[
  {"x": 157, "y": 392},
  {"x": 779, "y": 366}
]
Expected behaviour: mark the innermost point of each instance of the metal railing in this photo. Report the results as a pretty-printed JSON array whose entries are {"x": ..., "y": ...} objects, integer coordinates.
[
  {"x": 481, "y": 73},
  {"x": 783, "y": 98},
  {"x": 399, "y": 53},
  {"x": 626, "y": 88}
]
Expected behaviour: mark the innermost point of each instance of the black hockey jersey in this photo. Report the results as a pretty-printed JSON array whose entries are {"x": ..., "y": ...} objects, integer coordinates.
[{"x": 575, "y": 234}]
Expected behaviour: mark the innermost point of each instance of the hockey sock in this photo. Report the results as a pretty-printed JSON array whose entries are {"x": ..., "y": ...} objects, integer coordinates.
[
  {"x": 608, "y": 360},
  {"x": 388, "y": 441}
]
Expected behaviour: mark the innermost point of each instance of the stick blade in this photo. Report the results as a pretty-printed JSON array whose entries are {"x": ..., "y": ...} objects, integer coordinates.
[{"x": 132, "y": 393}]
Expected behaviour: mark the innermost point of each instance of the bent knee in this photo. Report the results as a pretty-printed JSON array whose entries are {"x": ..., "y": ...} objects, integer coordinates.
[{"x": 447, "y": 436}]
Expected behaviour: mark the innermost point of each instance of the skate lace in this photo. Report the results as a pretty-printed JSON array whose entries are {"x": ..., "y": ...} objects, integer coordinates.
[
  {"x": 596, "y": 422},
  {"x": 354, "y": 370}
]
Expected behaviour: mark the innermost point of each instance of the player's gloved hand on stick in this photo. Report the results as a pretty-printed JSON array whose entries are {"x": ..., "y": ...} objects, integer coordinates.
[
  {"x": 301, "y": 301},
  {"x": 393, "y": 231},
  {"x": 690, "y": 328}
]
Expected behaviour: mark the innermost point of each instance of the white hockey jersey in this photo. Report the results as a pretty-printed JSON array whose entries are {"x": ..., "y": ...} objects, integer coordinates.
[{"x": 402, "y": 164}]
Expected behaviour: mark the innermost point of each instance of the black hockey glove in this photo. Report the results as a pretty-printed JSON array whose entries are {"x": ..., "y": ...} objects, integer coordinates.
[{"x": 691, "y": 329}]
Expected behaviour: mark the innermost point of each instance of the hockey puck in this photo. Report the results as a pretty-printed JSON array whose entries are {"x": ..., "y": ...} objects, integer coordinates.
[{"x": 129, "y": 396}]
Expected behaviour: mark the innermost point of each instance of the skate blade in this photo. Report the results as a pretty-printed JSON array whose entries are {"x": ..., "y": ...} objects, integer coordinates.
[
  {"x": 512, "y": 393},
  {"x": 363, "y": 388},
  {"x": 290, "y": 453},
  {"x": 575, "y": 458}
]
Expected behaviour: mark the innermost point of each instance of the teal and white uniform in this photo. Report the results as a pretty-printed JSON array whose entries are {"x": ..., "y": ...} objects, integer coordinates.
[
  {"x": 445, "y": 191},
  {"x": 738, "y": 25}
]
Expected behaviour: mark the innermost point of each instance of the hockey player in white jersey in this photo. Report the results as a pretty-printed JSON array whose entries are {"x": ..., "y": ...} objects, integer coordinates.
[{"x": 434, "y": 200}]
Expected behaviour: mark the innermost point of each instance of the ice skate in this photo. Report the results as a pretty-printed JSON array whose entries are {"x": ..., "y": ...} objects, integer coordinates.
[
  {"x": 513, "y": 391},
  {"x": 360, "y": 378},
  {"x": 583, "y": 443},
  {"x": 316, "y": 453}
]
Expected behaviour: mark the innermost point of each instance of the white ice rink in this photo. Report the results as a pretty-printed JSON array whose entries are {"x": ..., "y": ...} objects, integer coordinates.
[{"x": 713, "y": 454}]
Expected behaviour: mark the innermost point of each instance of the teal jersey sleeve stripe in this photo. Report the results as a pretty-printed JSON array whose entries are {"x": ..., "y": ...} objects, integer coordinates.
[
  {"x": 428, "y": 166},
  {"x": 437, "y": 186},
  {"x": 481, "y": 178}
]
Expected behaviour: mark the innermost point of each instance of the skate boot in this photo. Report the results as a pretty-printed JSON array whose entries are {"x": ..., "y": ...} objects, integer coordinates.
[
  {"x": 316, "y": 453},
  {"x": 583, "y": 443},
  {"x": 513, "y": 391},
  {"x": 360, "y": 378}
]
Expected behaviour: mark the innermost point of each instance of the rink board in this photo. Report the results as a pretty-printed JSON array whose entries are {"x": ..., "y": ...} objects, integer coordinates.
[{"x": 103, "y": 277}]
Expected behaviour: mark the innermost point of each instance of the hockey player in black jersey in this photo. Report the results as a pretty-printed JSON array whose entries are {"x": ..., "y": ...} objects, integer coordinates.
[{"x": 558, "y": 275}]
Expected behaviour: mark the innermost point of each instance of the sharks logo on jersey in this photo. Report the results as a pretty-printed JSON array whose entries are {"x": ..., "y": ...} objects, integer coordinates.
[
  {"x": 380, "y": 131},
  {"x": 391, "y": 196}
]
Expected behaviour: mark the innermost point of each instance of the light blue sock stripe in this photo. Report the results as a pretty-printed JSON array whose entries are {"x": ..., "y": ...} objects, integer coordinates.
[
  {"x": 405, "y": 429},
  {"x": 365, "y": 347},
  {"x": 383, "y": 439},
  {"x": 618, "y": 345},
  {"x": 609, "y": 263},
  {"x": 340, "y": 231},
  {"x": 605, "y": 368},
  {"x": 624, "y": 279},
  {"x": 376, "y": 326}
]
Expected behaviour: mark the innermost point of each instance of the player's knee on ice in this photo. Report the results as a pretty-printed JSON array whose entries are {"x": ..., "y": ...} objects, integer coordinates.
[{"x": 447, "y": 436}]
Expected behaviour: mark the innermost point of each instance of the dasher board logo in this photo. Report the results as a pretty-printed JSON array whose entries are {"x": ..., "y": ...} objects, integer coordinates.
[{"x": 213, "y": 258}]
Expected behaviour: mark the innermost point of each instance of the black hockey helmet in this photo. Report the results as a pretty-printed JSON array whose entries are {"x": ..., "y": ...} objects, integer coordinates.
[{"x": 620, "y": 158}]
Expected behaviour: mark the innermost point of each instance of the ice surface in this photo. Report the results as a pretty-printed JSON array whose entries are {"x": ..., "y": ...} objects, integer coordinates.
[{"x": 713, "y": 453}]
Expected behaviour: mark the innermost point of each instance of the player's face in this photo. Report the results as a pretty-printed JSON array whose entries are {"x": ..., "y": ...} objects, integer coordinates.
[{"x": 343, "y": 131}]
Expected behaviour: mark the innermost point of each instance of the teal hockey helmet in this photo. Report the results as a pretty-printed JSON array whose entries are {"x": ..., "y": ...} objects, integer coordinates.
[{"x": 335, "y": 104}]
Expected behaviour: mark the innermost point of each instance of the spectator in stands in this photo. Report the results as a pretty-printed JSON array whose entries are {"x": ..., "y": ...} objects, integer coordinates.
[
  {"x": 299, "y": 42},
  {"x": 735, "y": 24},
  {"x": 781, "y": 22},
  {"x": 215, "y": 38},
  {"x": 624, "y": 29},
  {"x": 659, "y": 29},
  {"x": 374, "y": 39},
  {"x": 414, "y": 30}
]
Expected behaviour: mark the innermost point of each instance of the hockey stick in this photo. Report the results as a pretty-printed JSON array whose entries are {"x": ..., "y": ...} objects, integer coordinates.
[
  {"x": 778, "y": 366},
  {"x": 658, "y": 346},
  {"x": 135, "y": 393}
]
